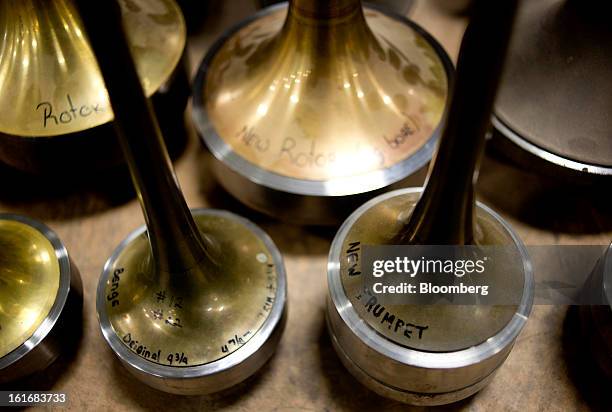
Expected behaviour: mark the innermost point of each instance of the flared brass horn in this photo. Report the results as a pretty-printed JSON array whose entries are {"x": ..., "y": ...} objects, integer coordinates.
[
  {"x": 307, "y": 107},
  {"x": 54, "y": 108}
]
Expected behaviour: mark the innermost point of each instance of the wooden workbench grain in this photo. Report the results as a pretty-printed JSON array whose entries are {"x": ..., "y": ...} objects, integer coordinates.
[{"x": 547, "y": 369}]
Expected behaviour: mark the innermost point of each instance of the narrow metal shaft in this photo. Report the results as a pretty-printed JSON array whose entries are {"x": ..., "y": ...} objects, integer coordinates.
[
  {"x": 175, "y": 240},
  {"x": 444, "y": 212},
  {"x": 328, "y": 30},
  {"x": 324, "y": 9}
]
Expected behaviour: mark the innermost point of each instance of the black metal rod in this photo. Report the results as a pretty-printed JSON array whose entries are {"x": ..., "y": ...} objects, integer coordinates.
[
  {"x": 175, "y": 240},
  {"x": 444, "y": 212}
]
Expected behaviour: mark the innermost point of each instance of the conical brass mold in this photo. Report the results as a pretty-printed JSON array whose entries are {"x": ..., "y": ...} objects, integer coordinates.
[
  {"x": 40, "y": 297},
  {"x": 420, "y": 352},
  {"x": 311, "y": 107},
  {"x": 200, "y": 331},
  {"x": 55, "y": 109},
  {"x": 193, "y": 302},
  {"x": 553, "y": 109},
  {"x": 460, "y": 346}
]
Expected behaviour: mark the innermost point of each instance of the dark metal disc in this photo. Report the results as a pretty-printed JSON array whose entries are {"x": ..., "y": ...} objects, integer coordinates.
[{"x": 556, "y": 95}]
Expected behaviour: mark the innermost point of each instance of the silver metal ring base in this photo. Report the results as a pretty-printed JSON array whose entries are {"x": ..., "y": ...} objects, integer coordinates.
[
  {"x": 400, "y": 395},
  {"x": 217, "y": 375}
]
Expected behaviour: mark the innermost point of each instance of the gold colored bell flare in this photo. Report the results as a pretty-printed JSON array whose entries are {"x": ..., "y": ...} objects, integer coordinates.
[
  {"x": 55, "y": 112},
  {"x": 194, "y": 302},
  {"x": 203, "y": 330},
  {"x": 40, "y": 297},
  {"x": 307, "y": 106},
  {"x": 420, "y": 352}
]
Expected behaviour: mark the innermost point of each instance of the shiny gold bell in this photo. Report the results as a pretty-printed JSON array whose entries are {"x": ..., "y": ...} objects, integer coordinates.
[
  {"x": 310, "y": 107},
  {"x": 40, "y": 297},
  {"x": 54, "y": 109}
]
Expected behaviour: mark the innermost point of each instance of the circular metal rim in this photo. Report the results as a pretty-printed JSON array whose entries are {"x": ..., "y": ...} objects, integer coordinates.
[
  {"x": 61, "y": 254},
  {"x": 399, "y": 394},
  {"x": 228, "y": 362},
  {"x": 343, "y": 186},
  {"x": 413, "y": 357},
  {"x": 507, "y": 132}
]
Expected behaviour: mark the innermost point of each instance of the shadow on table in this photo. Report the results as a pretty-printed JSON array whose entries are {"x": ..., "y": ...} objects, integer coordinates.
[
  {"x": 583, "y": 371},
  {"x": 290, "y": 238},
  {"x": 70, "y": 193},
  {"x": 202, "y": 16},
  {"x": 60, "y": 198},
  {"x": 551, "y": 204}
]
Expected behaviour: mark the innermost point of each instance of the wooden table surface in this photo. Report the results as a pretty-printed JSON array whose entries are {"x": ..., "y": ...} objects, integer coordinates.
[{"x": 547, "y": 370}]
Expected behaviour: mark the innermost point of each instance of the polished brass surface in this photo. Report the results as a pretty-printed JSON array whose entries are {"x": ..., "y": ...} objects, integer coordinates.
[
  {"x": 49, "y": 79},
  {"x": 434, "y": 327},
  {"x": 187, "y": 292},
  {"x": 324, "y": 90},
  {"x": 29, "y": 282},
  {"x": 198, "y": 316}
]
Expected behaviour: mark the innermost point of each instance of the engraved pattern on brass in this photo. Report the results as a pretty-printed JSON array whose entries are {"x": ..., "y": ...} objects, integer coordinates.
[
  {"x": 202, "y": 315},
  {"x": 29, "y": 282},
  {"x": 49, "y": 78},
  {"x": 423, "y": 327},
  {"x": 318, "y": 100}
]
